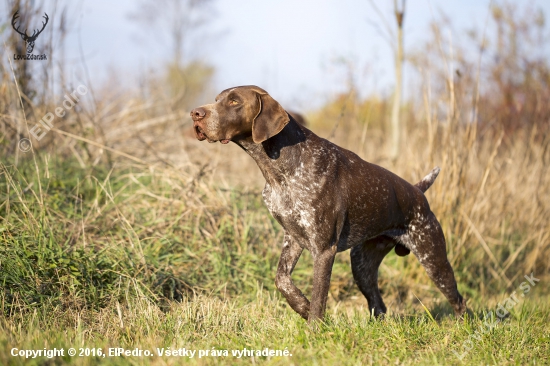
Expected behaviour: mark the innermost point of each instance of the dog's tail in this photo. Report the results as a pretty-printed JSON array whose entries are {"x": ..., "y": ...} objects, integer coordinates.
[
  {"x": 428, "y": 180},
  {"x": 423, "y": 185}
]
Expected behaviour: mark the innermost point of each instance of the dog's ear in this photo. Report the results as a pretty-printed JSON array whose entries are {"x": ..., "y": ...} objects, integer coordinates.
[{"x": 271, "y": 117}]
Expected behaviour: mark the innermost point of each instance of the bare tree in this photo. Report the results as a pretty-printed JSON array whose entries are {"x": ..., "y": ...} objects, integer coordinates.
[
  {"x": 23, "y": 74},
  {"x": 180, "y": 18},
  {"x": 396, "y": 107},
  {"x": 186, "y": 77},
  {"x": 396, "y": 42}
]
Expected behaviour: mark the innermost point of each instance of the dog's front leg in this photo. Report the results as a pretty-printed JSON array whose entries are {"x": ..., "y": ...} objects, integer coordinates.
[
  {"x": 322, "y": 270},
  {"x": 289, "y": 257}
]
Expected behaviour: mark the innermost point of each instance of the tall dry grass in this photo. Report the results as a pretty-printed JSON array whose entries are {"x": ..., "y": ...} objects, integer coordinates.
[
  {"x": 187, "y": 216},
  {"x": 121, "y": 229}
]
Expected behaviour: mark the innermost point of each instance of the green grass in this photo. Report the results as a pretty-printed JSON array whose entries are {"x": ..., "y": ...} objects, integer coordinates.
[
  {"x": 152, "y": 257},
  {"x": 203, "y": 323}
]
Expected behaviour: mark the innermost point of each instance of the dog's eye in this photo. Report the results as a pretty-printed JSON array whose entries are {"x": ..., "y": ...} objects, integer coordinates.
[{"x": 233, "y": 102}]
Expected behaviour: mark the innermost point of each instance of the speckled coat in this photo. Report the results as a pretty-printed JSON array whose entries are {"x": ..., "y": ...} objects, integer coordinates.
[{"x": 328, "y": 200}]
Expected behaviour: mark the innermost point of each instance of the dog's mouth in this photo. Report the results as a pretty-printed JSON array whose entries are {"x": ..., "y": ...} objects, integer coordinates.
[
  {"x": 201, "y": 136},
  {"x": 200, "y": 133}
]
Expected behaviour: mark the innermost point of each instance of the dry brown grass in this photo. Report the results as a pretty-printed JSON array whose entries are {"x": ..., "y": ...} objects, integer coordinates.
[
  {"x": 133, "y": 213},
  {"x": 491, "y": 197}
]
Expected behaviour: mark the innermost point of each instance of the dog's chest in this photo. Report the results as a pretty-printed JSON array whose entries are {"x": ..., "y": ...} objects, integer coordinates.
[
  {"x": 277, "y": 202},
  {"x": 290, "y": 206}
]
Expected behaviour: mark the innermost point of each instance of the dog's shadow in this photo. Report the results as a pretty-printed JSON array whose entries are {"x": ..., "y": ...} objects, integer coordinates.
[
  {"x": 441, "y": 311},
  {"x": 437, "y": 312}
]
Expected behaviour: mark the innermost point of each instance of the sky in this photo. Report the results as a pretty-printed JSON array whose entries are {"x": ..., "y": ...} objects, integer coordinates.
[{"x": 298, "y": 50}]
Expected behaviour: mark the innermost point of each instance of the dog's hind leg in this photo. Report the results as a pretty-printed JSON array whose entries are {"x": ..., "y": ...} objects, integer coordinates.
[
  {"x": 427, "y": 242},
  {"x": 365, "y": 260}
]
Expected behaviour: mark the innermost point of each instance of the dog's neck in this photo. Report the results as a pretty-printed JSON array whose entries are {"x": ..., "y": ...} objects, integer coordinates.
[{"x": 279, "y": 156}]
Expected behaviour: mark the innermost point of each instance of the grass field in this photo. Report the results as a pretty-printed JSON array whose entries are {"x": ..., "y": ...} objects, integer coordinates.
[
  {"x": 157, "y": 257},
  {"x": 119, "y": 230}
]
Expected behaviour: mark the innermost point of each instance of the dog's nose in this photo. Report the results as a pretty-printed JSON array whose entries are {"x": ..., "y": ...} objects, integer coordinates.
[{"x": 198, "y": 113}]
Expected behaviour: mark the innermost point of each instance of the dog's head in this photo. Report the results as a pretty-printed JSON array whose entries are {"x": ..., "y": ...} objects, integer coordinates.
[{"x": 239, "y": 112}]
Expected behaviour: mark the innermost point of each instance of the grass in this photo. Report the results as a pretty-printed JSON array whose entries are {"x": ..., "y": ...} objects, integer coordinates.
[
  {"x": 161, "y": 257},
  {"x": 179, "y": 250},
  {"x": 204, "y": 323}
]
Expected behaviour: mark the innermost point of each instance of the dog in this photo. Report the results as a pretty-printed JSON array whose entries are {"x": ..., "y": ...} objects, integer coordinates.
[{"x": 328, "y": 200}]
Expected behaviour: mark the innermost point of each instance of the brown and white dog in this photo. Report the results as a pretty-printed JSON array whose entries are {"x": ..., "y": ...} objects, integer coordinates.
[{"x": 328, "y": 200}]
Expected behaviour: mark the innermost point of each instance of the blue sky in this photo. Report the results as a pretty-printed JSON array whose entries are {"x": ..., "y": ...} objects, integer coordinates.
[{"x": 294, "y": 49}]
